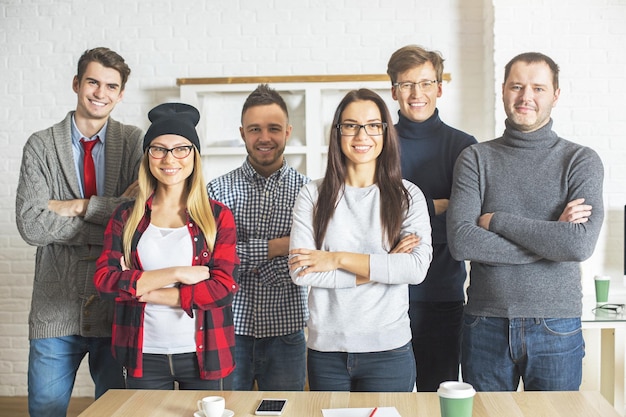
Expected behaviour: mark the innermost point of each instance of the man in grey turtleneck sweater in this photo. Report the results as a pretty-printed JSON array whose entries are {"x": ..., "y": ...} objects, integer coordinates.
[{"x": 521, "y": 212}]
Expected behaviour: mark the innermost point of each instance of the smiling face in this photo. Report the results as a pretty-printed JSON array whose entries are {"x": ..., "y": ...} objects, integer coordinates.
[
  {"x": 265, "y": 132},
  {"x": 97, "y": 92},
  {"x": 361, "y": 149},
  {"x": 415, "y": 104},
  {"x": 171, "y": 171},
  {"x": 529, "y": 96}
]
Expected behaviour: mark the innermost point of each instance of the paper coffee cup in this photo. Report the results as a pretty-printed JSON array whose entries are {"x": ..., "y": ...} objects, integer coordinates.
[
  {"x": 456, "y": 399},
  {"x": 603, "y": 283}
]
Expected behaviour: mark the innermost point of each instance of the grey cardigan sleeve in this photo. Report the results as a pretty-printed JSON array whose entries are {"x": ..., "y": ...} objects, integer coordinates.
[{"x": 47, "y": 173}]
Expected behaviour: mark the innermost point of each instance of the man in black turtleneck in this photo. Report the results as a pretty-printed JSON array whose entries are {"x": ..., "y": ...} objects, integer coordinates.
[{"x": 429, "y": 149}]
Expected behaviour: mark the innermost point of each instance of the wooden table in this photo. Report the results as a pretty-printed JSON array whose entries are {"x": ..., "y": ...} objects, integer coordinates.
[{"x": 147, "y": 403}]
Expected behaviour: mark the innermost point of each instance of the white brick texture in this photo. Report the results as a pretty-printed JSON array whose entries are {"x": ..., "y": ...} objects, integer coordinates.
[{"x": 41, "y": 40}]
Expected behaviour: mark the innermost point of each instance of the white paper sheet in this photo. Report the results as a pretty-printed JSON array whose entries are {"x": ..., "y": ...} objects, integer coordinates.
[{"x": 361, "y": 412}]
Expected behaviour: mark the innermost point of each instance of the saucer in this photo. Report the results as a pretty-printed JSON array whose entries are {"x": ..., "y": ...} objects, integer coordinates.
[{"x": 226, "y": 413}]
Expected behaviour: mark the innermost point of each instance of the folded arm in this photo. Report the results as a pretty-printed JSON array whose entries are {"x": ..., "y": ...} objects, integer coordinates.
[
  {"x": 43, "y": 218},
  {"x": 498, "y": 237},
  {"x": 406, "y": 263}
]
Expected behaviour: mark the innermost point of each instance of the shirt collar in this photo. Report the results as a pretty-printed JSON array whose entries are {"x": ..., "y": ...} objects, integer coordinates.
[
  {"x": 77, "y": 135},
  {"x": 250, "y": 172}
]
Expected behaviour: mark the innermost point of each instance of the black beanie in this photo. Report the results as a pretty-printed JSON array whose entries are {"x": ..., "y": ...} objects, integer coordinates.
[{"x": 173, "y": 119}]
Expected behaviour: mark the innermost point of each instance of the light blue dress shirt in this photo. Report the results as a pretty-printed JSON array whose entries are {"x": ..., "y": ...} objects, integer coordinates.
[{"x": 97, "y": 154}]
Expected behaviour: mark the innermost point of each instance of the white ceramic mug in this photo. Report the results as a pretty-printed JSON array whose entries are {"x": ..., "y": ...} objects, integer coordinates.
[{"x": 212, "y": 406}]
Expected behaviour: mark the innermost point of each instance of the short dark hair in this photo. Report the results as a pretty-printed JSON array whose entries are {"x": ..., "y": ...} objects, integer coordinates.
[
  {"x": 264, "y": 95},
  {"x": 533, "y": 57},
  {"x": 412, "y": 56},
  {"x": 105, "y": 57}
]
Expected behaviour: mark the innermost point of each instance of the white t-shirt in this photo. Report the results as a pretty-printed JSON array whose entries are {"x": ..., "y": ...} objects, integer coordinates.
[{"x": 167, "y": 330}]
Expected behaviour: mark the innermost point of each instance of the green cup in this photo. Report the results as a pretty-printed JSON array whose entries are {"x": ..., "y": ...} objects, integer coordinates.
[
  {"x": 456, "y": 399},
  {"x": 602, "y": 288}
]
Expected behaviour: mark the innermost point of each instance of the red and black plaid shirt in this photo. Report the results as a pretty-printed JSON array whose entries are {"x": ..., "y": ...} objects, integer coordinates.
[{"x": 212, "y": 298}]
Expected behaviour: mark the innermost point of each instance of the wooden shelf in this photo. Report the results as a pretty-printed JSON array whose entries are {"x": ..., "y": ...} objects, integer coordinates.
[
  {"x": 311, "y": 101},
  {"x": 290, "y": 79}
]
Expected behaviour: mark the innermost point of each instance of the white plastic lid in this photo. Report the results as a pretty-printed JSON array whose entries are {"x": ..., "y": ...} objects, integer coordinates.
[{"x": 455, "y": 389}]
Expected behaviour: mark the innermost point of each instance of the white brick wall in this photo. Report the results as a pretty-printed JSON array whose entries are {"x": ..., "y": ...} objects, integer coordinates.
[
  {"x": 40, "y": 41},
  {"x": 586, "y": 39}
]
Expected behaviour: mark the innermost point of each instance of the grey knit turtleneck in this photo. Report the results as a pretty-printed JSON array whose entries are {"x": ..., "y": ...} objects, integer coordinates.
[{"x": 527, "y": 264}]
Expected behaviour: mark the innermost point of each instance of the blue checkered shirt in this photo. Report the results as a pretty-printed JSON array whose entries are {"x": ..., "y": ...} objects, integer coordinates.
[{"x": 267, "y": 304}]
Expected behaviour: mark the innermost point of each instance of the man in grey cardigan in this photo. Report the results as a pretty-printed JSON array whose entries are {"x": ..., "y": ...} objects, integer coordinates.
[
  {"x": 57, "y": 212},
  {"x": 521, "y": 212}
]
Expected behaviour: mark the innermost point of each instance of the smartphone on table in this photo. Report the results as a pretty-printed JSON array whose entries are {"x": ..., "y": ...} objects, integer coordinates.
[{"x": 270, "y": 407}]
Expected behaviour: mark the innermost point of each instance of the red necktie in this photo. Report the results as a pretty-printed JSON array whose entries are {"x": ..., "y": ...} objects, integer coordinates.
[{"x": 89, "y": 168}]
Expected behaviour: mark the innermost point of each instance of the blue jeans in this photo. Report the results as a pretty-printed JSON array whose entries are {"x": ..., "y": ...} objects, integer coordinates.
[
  {"x": 52, "y": 367},
  {"x": 388, "y": 371},
  {"x": 436, "y": 328},
  {"x": 275, "y": 363},
  {"x": 546, "y": 354},
  {"x": 163, "y": 372}
]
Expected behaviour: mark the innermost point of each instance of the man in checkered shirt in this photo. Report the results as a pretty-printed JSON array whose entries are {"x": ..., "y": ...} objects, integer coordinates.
[{"x": 270, "y": 311}]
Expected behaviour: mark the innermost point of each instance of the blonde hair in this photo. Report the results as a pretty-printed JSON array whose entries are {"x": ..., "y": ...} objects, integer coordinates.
[{"x": 198, "y": 204}]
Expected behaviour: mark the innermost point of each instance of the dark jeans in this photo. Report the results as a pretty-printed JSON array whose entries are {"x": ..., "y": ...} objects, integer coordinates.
[
  {"x": 437, "y": 332},
  {"x": 163, "y": 371},
  {"x": 275, "y": 363},
  {"x": 387, "y": 371}
]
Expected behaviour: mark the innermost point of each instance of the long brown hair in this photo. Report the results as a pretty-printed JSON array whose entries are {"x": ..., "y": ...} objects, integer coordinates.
[{"x": 394, "y": 197}]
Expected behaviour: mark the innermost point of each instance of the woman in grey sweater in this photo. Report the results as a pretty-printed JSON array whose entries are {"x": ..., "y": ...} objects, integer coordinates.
[{"x": 360, "y": 235}]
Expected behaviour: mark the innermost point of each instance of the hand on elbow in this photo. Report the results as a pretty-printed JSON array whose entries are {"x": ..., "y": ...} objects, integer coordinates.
[
  {"x": 191, "y": 275},
  {"x": 576, "y": 212},
  {"x": 311, "y": 261},
  {"x": 485, "y": 220},
  {"x": 407, "y": 244}
]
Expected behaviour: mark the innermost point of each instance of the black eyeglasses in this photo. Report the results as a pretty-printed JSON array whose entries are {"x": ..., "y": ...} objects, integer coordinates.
[
  {"x": 179, "y": 152},
  {"x": 352, "y": 129},
  {"x": 610, "y": 308}
]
